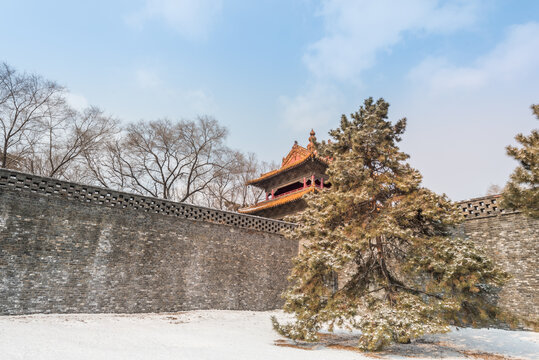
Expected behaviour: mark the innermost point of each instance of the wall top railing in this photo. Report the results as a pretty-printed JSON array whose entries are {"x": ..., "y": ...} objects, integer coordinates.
[
  {"x": 481, "y": 207},
  {"x": 90, "y": 194}
]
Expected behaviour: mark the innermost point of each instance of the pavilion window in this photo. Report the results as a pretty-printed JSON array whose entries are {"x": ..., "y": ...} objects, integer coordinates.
[{"x": 289, "y": 188}]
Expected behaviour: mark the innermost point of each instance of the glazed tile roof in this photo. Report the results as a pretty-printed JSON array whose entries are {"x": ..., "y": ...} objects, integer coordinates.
[
  {"x": 278, "y": 201},
  {"x": 296, "y": 157}
]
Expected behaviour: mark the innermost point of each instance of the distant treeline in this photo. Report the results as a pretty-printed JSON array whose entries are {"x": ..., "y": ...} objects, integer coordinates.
[{"x": 182, "y": 160}]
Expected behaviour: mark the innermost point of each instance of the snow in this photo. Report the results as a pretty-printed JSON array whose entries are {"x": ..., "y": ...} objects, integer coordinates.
[{"x": 224, "y": 335}]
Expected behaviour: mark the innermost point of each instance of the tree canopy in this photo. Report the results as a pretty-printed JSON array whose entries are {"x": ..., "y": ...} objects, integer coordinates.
[
  {"x": 183, "y": 160},
  {"x": 401, "y": 272},
  {"x": 522, "y": 190}
]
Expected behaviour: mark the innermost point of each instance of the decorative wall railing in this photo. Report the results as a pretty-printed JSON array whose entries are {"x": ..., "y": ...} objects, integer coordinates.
[
  {"x": 471, "y": 209},
  {"x": 117, "y": 199},
  {"x": 481, "y": 207}
]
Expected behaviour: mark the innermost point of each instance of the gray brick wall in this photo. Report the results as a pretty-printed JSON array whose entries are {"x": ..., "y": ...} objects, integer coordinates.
[
  {"x": 512, "y": 241},
  {"x": 68, "y": 247},
  {"x": 59, "y": 255}
]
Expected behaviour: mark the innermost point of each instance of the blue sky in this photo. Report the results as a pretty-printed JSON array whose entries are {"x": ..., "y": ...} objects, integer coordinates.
[{"x": 464, "y": 73}]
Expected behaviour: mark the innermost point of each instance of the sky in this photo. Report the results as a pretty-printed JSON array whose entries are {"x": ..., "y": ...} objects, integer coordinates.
[{"x": 463, "y": 73}]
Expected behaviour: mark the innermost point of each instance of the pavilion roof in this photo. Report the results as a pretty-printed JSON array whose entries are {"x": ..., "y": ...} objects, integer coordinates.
[
  {"x": 281, "y": 200},
  {"x": 297, "y": 156}
]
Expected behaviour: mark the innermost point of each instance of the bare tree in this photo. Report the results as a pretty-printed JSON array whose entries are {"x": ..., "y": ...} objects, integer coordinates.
[
  {"x": 65, "y": 137},
  {"x": 24, "y": 101},
  {"x": 103, "y": 166},
  {"x": 494, "y": 189},
  {"x": 222, "y": 193},
  {"x": 184, "y": 160},
  {"x": 230, "y": 190},
  {"x": 252, "y": 169},
  {"x": 170, "y": 160}
]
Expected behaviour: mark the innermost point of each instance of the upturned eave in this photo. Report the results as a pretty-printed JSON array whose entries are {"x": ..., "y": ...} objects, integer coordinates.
[
  {"x": 286, "y": 168},
  {"x": 281, "y": 200}
]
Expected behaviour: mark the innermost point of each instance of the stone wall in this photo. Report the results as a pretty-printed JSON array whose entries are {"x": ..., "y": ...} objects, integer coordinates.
[
  {"x": 67, "y": 247},
  {"x": 512, "y": 240}
]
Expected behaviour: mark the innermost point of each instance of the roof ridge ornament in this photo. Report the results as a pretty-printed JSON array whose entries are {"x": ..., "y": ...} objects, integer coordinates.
[{"x": 312, "y": 140}]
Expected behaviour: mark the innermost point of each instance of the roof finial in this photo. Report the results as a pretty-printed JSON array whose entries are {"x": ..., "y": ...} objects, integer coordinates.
[{"x": 312, "y": 140}]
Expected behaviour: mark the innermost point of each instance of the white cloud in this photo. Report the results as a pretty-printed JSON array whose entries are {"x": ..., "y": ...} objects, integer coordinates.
[
  {"x": 358, "y": 30},
  {"x": 466, "y": 115},
  {"x": 77, "y": 101},
  {"x": 199, "y": 101},
  {"x": 513, "y": 61},
  {"x": 147, "y": 78},
  {"x": 312, "y": 108},
  {"x": 191, "y": 19},
  {"x": 165, "y": 99}
]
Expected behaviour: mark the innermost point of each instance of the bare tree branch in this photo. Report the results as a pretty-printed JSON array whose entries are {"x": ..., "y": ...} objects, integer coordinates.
[{"x": 25, "y": 100}]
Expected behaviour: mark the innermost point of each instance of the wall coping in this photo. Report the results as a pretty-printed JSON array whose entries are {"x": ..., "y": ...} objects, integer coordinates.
[
  {"x": 483, "y": 207},
  {"x": 474, "y": 208},
  {"x": 96, "y": 195}
]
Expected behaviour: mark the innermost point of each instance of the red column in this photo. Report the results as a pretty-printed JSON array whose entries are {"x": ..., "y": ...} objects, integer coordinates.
[
  {"x": 312, "y": 180},
  {"x": 321, "y": 183},
  {"x": 304, "y": 182},
  {"x": 273, "y": 193}
]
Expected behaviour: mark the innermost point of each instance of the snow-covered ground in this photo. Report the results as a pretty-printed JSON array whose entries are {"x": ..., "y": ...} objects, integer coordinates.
[{"x": 224, "y": 335}]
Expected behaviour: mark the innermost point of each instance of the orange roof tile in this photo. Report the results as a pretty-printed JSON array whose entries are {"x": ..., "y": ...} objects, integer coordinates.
[
  {"x": 297, "y": 153},
  {"x": 297, "y": 156},
  {"x": 286, "y": 168},
  {"x": 278, "y": 201},
  {"x": 282, "y": 169}
]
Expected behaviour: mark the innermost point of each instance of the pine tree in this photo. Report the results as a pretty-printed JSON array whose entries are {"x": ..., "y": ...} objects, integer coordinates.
[
  {"x": 522, "y": 190},
  {"x": 405, "y": 274}
]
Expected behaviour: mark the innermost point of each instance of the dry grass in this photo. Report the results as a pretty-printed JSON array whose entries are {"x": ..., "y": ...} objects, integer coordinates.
[
  {"x": 485, "y": 356},
  {"x": 285, "y": 343},
  {"x": 418, "y": 349}
]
